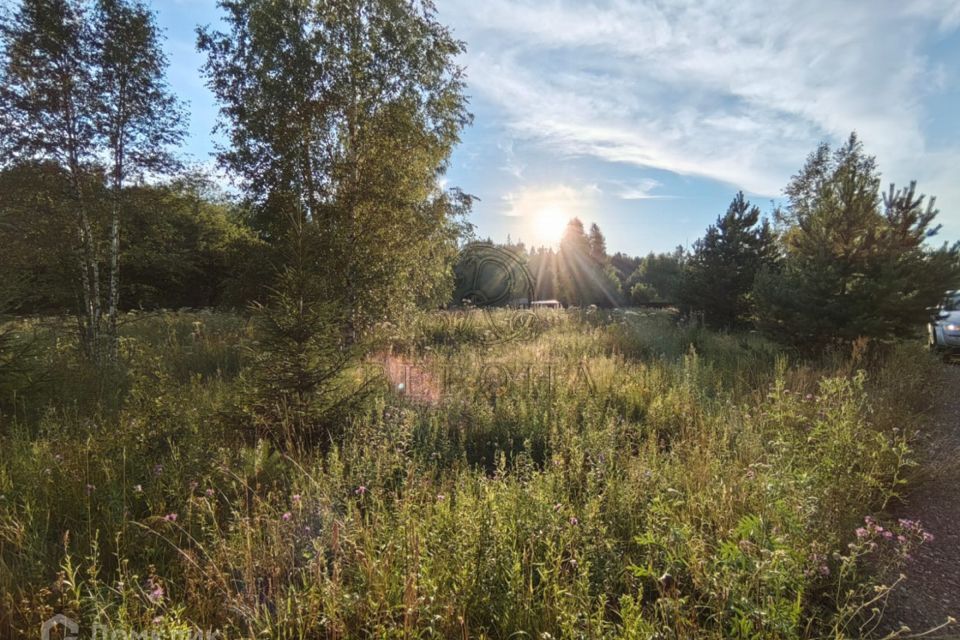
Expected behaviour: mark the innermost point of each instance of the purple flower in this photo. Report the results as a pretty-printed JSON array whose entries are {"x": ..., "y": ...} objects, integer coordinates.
[
  {"x": 888, "y": 535},
  {"x": 861, "y": 533},
  {"x": 156, "y": 593},
  {"x": 286, "y": 516},
  {"x": 927, "y": 536},
  {"x": 209, "y": 493},
  {"x": 360, "y": 490},
  {"x": 574, "y": 521},
  {"x": 296, "y": 498},
  {"x": 170, "y": 517}
]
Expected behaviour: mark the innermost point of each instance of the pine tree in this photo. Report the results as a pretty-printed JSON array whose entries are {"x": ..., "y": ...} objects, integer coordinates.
[
  {"x": 720, "y": 273},
  {"x": 582, "y": 280},
  {"x": 855, "y": 264},
  {"x": 598, "y": 244}
]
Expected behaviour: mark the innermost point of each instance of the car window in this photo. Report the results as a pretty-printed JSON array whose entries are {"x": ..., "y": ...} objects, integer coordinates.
[{"x": 952, "y": 303}]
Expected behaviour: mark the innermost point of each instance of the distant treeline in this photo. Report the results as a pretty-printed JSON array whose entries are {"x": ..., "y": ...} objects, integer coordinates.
[
  {"x": 184, "y": 244},
  {"x": 841, "y": 261}
]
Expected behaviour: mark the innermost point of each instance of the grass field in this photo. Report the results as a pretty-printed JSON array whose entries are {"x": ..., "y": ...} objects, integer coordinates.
[{"x": 565, "y": 475}]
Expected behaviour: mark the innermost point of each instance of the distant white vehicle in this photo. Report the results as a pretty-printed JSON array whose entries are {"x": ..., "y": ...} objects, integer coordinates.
[{"x": 944, "y": 329}]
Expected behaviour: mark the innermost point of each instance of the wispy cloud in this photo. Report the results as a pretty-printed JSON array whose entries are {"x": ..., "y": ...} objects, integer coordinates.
[
  {"x": 737, "y": 92},
  {"x": 638, "y": 190},
  {"x": 558, "y": 199}
]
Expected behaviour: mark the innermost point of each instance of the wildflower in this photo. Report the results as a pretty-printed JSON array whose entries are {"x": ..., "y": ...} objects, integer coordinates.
[
  {"x": 296, "y": 498},
  {"x": 286, "y": 516},
  {"x": 361, "y": 490},
  {"x": 156, "y": 592},
  {"x": 90, "y": 489},
  {"x": 440, "y": 496},
  {"x": 574, "y": 521},
  {"x": 209, "y": 493},
  {"x": 157, "y": 469},
  {"x": 138, "y": 488},
  {"x": 888, "y": 535},
  {"x": 824, "y": 570},
  {"x": 927, "y": 536},
  {"x": 170, "y": 517},
  {"x": 809, "y": 396}
]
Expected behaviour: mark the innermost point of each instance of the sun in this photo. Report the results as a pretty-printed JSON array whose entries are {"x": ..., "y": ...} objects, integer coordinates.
[{"x": 548, "y": 224}]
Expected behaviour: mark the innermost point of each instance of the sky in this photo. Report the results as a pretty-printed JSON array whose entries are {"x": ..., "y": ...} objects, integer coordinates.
[{"x": 647, "y": 116}]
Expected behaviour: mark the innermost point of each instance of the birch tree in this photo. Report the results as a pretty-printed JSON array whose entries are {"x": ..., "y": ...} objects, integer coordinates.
[
  {"x": 82, "y": 84},
  {"x": 138, "y": 119},
  {"x": 346, "y": 111},
  {"x": 47, "y": 111}
]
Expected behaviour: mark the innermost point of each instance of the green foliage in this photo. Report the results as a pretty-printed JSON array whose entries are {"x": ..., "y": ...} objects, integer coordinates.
[
  {"x": 612, "y": 475},
  {"x": 83, "y": 85},
  {"x": 721, "y": 271},
  {"x": 299, "y": 383},
  {"x": 376, "y": 104},
  {"x": 583, "y": 275},
  {"x": 657, "y": 277},
  {"x": 184, "y": 244},
  {"x": 855, "y": 266}
]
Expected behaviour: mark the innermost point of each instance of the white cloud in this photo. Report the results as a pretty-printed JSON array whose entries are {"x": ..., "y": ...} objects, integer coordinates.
[
  {"x": 637, "y": 190},
  {"x": 738, "y": 92},
  {"x": 558, "y": 199}
]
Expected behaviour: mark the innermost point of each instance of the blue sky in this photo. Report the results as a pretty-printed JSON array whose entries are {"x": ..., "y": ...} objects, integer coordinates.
[{"x": 647, "y": 116}]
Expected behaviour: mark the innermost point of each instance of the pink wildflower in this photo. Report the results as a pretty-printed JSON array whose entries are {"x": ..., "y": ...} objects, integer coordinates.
[{"x": 170, "y": 517}]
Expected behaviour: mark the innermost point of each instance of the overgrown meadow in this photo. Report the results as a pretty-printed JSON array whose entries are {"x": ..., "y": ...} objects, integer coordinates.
[{"x": 562, "y": 474}]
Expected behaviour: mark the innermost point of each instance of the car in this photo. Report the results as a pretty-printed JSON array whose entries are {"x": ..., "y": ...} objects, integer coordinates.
[{"x": 944, "y": 328}]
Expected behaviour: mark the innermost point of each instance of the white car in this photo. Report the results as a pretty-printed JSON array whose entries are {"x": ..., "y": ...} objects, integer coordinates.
[{"x": 944, "y": 329}]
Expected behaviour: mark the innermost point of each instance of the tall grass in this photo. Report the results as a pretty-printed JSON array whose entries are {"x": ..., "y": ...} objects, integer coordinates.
[{"x": 574, "y": 475}]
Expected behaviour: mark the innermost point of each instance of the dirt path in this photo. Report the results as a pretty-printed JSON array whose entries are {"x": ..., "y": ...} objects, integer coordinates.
[{"x": 931, "y": 591}]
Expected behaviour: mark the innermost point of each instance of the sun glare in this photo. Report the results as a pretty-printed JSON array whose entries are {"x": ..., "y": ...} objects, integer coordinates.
[{"x": 548, "y": 225}]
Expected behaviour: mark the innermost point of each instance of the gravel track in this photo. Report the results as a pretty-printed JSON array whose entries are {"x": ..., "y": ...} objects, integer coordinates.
[{"x": 931, "y": 592}]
